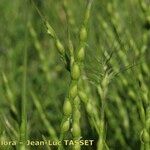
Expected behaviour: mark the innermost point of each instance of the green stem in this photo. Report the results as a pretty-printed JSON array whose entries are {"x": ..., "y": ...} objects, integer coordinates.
[{"x": 23, "y": 126}]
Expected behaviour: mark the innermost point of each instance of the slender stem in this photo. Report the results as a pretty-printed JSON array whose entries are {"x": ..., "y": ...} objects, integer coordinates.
[{"x": 23, "y": 126}]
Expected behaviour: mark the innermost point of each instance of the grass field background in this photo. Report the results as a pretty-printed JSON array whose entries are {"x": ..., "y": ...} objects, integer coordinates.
[{"x": 75, "y": 69}]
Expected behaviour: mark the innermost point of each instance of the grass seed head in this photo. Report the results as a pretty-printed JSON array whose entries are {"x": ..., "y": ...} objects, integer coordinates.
[
  {"x": 81, "y": 54},
  {"x": 75, "y": 72},
  {"x": 67, "y": 108},
  {"x": 83, "y": 96},
  {"x": 145, "y": 136},
  {"x": 77, "y": 114},
  {"x": 65, "y": 126},
  {"x": 83, "y": 34},
  {"x": 73, "y": 91},
  {"x": 50, "y": 30},
  {"x": 76, "y": 130},
  {"x": 89, "y": 108},
  {"x": 77, "y": 147},
  {"x": 60, "y": 47}
]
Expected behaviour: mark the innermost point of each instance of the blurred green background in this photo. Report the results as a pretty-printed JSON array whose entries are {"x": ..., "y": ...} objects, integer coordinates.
[{"x": 118, "y": 34}]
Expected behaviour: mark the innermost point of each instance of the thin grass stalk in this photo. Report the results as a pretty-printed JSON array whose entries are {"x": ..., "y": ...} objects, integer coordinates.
[
  {"x": 23, "y": 125},
  {"x": 43, "y": 117}
]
